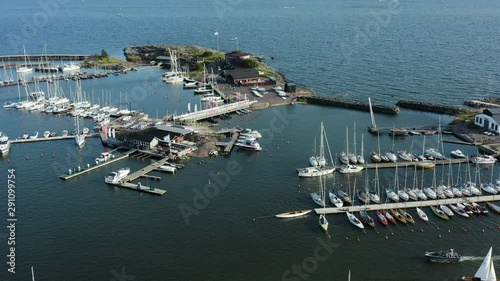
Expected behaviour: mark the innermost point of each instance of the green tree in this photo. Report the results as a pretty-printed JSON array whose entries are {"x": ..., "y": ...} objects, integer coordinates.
[
  {"x": 104, "y": 54},
  {"x": 207, "y": 54},
  {"x": 198, "y": 67},
  {"x": 249, "y": 63}
]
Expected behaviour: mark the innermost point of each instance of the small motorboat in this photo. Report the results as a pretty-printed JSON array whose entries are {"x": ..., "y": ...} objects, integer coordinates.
[
  {"x": 293, "y": 214},
  {"x": 46, "y": 134},
  {"x": 481, "y": 208},
  {"x": 167, "y": 168},
  {"x": 375, "y": 157},
  {"x": 449, "y": 256},
  {"x": 34, "y": 135},
  {"x": 457, "y": 154}
]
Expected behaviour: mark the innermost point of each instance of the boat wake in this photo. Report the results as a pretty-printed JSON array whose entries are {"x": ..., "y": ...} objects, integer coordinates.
[
  {"x": 288, "y": 7},
  {"x": 472, "y": 258}
]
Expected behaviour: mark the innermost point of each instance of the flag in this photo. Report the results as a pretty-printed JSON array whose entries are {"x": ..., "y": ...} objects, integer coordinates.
[{"x": 216, "y": 33}]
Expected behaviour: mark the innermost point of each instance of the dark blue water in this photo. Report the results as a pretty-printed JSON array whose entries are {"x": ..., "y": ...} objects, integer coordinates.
[{"x": 84, "y": 230}]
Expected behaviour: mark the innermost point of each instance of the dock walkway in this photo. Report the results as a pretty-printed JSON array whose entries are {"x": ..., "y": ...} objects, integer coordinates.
[
  {"x": 145, "y": 170},
  {"x": 50, "y": 138},
  {"x": 214, "y": 111},
  {"x": 86, "y": 170},
  {"x": 141, "y": 188},
  {"x": 407, "y": 164},
  {"x": 408, "y": 204}
]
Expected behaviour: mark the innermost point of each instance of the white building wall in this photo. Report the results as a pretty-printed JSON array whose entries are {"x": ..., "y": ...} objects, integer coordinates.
[{"x": 479, "y": 120}]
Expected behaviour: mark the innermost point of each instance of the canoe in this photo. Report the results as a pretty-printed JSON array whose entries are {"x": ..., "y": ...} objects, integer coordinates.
[{"x": 293, "y": 214}]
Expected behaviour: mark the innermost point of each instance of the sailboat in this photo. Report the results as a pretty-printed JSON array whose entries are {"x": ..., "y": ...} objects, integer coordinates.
[
  {"x": 365, "y": 217},
  {"x": 315, "y": 160},
  {"x": 422, "y": 214},
  {"x": 486, "y": 271},
  {"x": 120, "y": 14},
  {"x": 323, "y": 222},
  {"x": 391, "y": 194},
  {"x": 24, "y": 68},
  {"x": 374, "y": 194},
  {"x": 439, "y": 213},
  {"x": 352, "y": 218},
  {"x": 361, "y": 157},
  {"x": 335, "y": 199},
  {"x": 381, "y": 218},
  {"x": 318, "y": 171},
  {"x": 79, "y": 137},
  {"x": 344, "y": 156},
  {"x": 319, "y": 198}
]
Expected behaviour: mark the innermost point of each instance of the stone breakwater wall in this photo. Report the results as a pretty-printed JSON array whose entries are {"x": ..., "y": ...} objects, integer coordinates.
[
  {"x": 352, "y": 104},
  {"x": 430, "y": 107}
]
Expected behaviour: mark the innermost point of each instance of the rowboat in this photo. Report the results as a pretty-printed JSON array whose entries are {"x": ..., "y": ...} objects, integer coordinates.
[{"x": 293, "y": 214}]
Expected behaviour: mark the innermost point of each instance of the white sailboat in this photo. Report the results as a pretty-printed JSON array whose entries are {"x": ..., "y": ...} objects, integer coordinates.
[
  {"x": 79, "y": 137},
  {"x": 24, "y": 69},
  {"x": 318, "y": 171},
  {"x": 355, "y": 221},
  {"x": 486, "y": 271},
  {"x": 361, "y": 157},
  {"x": 323, "y": 222},
  {"x": 422, "y": 214},
  {"x": 319, "y": 198}
]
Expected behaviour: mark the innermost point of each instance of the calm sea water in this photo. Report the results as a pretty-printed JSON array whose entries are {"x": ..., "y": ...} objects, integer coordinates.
[{"x": 84, "y": 230}]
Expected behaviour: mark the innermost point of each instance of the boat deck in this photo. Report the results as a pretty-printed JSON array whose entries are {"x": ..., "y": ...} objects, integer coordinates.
[
  {"x": 85, "y": 170},
  {"x": 408, "y": 204}
]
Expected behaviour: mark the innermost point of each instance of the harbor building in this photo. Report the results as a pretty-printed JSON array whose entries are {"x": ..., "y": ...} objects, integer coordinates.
[{"x": 489, "y": 119}]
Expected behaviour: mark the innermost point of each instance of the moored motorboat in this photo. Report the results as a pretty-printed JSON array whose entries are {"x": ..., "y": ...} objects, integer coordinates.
[
  {"x": 314, "y": 171},
  {"x": 449, "y": 256},
  {"x": 33, "y": 135},
  {"x": 375, "y": 157},
  {"x": 363, "y": 197},
  {"x": 457, "y": 153},
  {"x": 4, "y": 144},
  {"x": 46, "y": 134},
  {"x": 349, "y": 169},
  {"x": 116, "y": 177},
  {"x": 293, "y": 214},
  {"x": 484, "y": 160},
  {"x": 167, "y": 168},
  {"x": 249, "y": 145}
]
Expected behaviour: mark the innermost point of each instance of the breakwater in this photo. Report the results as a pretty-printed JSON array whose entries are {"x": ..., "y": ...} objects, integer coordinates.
[
  {"x": 430, "y": 107},
  {"x": 485, "y": 102},
  {"x": 352, "y": 104}
]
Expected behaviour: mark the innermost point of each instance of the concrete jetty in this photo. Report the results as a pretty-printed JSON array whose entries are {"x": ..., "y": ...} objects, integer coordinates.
[
  {"x": 352, "y": 104},
  {"x": 430, "y": 107},
  {"x": 405, "y": 205},
  {"x": 37, "y": 57},
  {"x": 228, "y": 146},
  {"x": 85, "y": 170}
]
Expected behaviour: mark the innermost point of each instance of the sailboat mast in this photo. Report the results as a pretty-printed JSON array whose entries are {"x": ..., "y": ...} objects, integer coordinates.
[{"x": 374, "y": 126}]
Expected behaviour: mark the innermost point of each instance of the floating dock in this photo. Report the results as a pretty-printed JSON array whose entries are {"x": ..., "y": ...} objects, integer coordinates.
[
  {"x": 145, "y": 170},
  {"x": 85, "y": 170},
  {"x": 214, "y": 111},
  {"x": 407, "y": 204},
  {"x": 412, "y": 164},
  {"x": 51, "y": 138},
  {"x": 141, "y": 188},
  {"x": 228, "y": 146}
]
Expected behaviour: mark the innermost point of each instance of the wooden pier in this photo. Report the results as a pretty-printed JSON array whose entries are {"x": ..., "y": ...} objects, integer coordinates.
[
  {"x": 145, "y": 170},
  {"x": 50, "y": 138},
  {"x": 214, "y": 111},
  {"x": 141, "y": 188},
  {"x": 412, "y": 164},
  {"x": 228, "y": 146},
  {"x": 85, "y": 170},
  {"x": 408, "y": 204}
]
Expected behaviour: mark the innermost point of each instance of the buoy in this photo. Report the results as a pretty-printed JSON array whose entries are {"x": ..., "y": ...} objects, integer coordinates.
[
  {"x": 41, "y": 155},
  {"x": 421, "y": 230},
  {"x": 358, "y": 240},
  {"x": 465, "y": 230},
  {"x": 346, "y": 238},
  {"x": 483, "y": 230},
  {"x": 270, "y": 155},
  {"x": 53, "y": 156},
  {"x": 8, "y": 161},
  {"x": 27, "y": 157},
  {"x": 449, "y": 231},
  {"x": 386, "y": 237},
  {"x": 439, "y": 235},
  {"x": 67, "y": 154}
]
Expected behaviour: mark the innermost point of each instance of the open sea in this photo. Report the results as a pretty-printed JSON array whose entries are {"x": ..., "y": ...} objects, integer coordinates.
[{"x": 439, "y": 51}]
